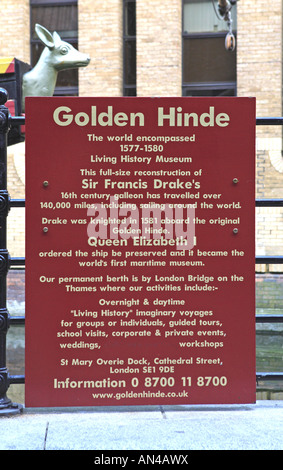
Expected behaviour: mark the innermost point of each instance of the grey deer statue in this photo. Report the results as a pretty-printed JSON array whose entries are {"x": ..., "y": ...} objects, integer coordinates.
[{"x": 56, "y": 56}]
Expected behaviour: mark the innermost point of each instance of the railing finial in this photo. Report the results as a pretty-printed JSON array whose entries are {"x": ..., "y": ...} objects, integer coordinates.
[{"x": 4, "y": 96}]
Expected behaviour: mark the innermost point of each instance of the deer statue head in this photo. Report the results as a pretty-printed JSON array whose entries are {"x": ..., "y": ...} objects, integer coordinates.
[{"x": 56, "y": 56}]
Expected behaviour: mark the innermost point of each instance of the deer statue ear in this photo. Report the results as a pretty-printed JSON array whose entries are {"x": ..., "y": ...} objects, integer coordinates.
[
  {"x": 56, "y": 38},
  {"x": 45, "y": 36}
]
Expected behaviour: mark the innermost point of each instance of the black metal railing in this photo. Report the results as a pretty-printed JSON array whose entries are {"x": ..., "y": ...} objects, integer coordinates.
[{"x": 6, "y": 262}]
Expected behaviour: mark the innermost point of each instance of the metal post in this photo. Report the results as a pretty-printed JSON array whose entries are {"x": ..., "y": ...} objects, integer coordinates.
[{"x": 6, "y": 405}]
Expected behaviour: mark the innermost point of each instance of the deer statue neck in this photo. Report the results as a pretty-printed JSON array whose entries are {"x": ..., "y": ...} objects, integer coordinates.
[{"x": 41, "y": 80}]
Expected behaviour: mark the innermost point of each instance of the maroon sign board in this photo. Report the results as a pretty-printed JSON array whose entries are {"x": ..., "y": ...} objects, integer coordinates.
[{"x": 140, "y": 251}]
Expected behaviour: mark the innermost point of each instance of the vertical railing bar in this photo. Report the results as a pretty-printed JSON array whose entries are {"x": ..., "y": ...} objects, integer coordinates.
[{"x": 6, "y": 405}]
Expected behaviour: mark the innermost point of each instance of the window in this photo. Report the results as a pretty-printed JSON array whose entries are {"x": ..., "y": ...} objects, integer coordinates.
[
  {"x": 60, "y": 16},
  {"x": 208, "y": 68},
  {"x": 129, "y": 48}
]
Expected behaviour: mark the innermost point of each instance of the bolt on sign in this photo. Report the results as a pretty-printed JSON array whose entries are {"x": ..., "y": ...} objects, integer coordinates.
[{"x": 140, "y": 251}]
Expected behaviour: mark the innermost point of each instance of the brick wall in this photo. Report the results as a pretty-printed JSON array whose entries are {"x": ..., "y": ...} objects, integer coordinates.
[
  {"x": 101, "y": 36},
  {"x": 15, "y": 42},
  {"x": 159, "y": 48},
  {"x": 259, "y": 74},
  {"x": 16, "y": 189},
  {"x": 259, "y": 54}
]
